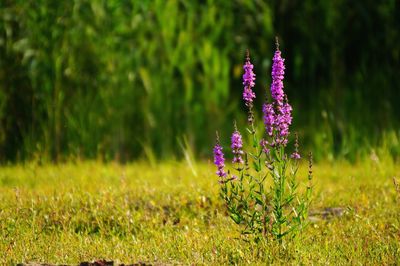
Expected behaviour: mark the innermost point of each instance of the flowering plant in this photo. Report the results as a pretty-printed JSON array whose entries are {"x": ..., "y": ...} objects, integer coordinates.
[{"x": 261, "y": 191}]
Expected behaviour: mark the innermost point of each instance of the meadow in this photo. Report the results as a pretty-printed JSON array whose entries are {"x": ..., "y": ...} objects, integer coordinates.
[
  {"x": 108, "y": 119},
  {"x": 171, "y": 213}
]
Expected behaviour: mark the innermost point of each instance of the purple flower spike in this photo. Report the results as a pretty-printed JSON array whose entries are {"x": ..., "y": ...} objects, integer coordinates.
[
  {"x": 236, "y": 146},
  {"x": 278, "y": 114},
  {"x": 248, "y": 81},
  {"x": 248, "y": 77},
  {"x": 278, "y": 72},
  {"x": 219, "y": 160},
  {"x": 296, "y": 155},
  {"x": 269, "y": 118}
]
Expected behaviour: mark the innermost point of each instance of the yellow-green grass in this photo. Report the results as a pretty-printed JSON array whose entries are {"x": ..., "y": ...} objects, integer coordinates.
[{"x": 171, "y": 213}]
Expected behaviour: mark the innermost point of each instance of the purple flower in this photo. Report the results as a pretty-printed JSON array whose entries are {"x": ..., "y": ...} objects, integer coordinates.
[
  {"x": 269, "y": 118},
  {"x": 265, "y": 146},
  {"x": 219, "y": 160},
  {"x": 248, "y": 81},
  {"x": 248, "y": 95},
  {"x": 295, "y": 155},
  {"x": 236, "y": 146},
  {"x": 284, "y": 119},
  {"x": 278, "y": 72}
]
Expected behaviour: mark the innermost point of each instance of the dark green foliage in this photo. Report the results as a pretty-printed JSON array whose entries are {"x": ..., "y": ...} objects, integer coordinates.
[{"x": 117, "y": 78}]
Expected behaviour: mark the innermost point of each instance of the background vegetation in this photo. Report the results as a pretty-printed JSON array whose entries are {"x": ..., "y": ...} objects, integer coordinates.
[{"x": 122, "y": 79}]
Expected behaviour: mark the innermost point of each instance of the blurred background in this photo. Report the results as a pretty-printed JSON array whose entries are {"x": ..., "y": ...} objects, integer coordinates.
[{"x": 129, "y": 79}]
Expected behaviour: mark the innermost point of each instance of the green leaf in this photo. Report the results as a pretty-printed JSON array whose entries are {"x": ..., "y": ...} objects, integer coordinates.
[
  {"x": 236, "y": 218},
  {"x": 257, "y": 166}
]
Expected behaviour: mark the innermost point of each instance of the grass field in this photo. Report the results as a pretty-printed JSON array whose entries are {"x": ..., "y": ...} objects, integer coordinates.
[{"x": 171, "y": 214}]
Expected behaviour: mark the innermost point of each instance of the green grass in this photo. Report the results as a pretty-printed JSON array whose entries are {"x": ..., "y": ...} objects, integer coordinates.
[{"x": 171, "y": 213}]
